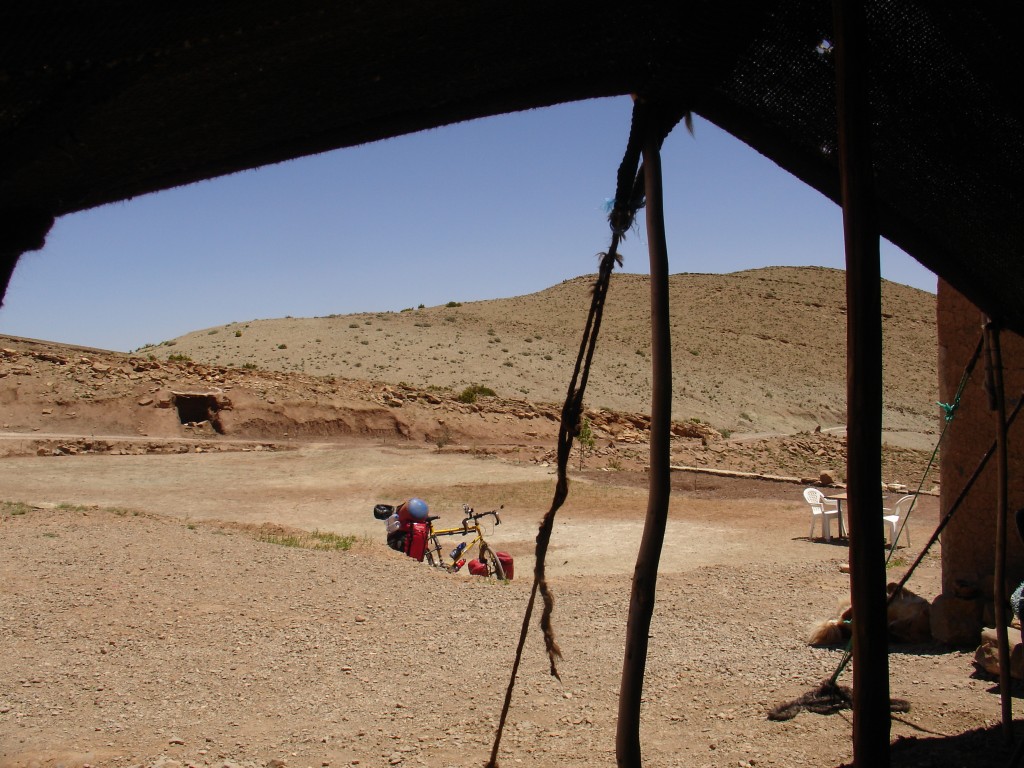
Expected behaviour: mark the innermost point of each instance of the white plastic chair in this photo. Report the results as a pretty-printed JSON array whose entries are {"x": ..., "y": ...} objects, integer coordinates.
[
  {"x": 891, "y": 517},
  {"x": 825, "y": 510}
]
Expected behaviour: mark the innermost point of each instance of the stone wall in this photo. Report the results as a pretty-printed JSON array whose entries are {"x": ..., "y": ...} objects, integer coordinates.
[{"x": 968, "y": 543}]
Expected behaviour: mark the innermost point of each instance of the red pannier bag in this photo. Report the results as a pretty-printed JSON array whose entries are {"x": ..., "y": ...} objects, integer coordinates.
[
  {"x": 477, "y": 568},
  {"x": 416, "y": 541},
  {"x": 507, "y": 564}
]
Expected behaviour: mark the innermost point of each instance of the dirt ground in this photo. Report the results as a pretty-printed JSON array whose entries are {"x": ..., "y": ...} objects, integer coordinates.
[{"x": 144, "y": 622}]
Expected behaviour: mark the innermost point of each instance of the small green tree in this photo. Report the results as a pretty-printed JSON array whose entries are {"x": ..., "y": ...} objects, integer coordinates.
[{"x": 586, "y": 438}]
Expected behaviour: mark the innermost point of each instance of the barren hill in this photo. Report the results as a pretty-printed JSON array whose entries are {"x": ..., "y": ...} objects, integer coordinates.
[{"x": 755, "y": 351}]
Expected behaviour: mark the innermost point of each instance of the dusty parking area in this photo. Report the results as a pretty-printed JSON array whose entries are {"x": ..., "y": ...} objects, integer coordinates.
[
  {"x": 333, "y": 487},
  {"x": 143, "y": 629}
]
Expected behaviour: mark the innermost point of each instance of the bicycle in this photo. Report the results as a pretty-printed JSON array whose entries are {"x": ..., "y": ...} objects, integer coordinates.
[{"x": 456, "y": 558}]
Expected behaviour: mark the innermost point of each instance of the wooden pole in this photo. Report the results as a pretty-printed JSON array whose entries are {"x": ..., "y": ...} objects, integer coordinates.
[
  {"x": 994, "y": 360},
  {"x": 871, "y": 719},
  {"x": 645, "y": 574}
]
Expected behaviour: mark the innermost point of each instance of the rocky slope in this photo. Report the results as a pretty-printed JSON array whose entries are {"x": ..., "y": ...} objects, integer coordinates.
[
  {"x": 756, "y": 351},
  {"x": 56, "y": 399}
]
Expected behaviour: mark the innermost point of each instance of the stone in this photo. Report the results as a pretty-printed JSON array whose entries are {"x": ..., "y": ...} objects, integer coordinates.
[
  {"x": 956, "y": 621},
  {"x": 987, "y": 655},
  {"x": 826, "y": 478},
  {"x": 146, "y": 401}
]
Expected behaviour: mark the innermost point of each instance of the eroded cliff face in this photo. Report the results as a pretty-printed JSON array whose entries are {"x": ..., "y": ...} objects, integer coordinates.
[{"x": 56, "y": 399}]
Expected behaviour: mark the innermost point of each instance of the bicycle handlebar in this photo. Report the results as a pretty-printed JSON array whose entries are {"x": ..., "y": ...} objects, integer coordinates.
[{"x": 471, "y": 515}]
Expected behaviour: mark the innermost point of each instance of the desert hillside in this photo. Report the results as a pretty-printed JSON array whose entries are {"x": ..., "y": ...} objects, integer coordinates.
[{"x": 755, "y": 351}]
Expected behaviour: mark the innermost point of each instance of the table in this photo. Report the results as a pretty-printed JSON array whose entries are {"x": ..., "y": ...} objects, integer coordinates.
[{"x": 839, "y": 498}]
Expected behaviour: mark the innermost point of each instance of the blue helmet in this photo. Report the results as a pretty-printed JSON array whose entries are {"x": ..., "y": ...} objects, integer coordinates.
[{"x": 417, "y": 508}]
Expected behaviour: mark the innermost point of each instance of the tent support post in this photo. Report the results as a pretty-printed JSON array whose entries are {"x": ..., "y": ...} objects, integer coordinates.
[
  {"x": 994, "y": 360},
  {"x": 645, "y": 573},
  {"x": 871, "y": 718}
]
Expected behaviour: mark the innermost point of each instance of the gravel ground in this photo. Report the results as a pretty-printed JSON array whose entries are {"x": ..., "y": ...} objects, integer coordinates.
[{"x": 134, "y": 639}]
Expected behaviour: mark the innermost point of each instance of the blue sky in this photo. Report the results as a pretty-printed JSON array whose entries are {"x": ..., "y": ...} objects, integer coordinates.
[{"x": 486, "y": 209}]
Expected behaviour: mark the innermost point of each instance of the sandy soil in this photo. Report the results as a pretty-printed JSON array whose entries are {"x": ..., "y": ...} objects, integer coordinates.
[{"x": 148, "y": 625}]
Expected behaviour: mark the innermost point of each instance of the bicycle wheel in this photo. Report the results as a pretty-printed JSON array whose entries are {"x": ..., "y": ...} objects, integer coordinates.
[
  {"x": 492, "y": 562},
  {"x": 432, "y": 555}
]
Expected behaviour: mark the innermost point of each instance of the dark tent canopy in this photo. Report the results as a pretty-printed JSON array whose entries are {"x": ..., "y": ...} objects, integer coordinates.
[{"x": 102, "y": 101}]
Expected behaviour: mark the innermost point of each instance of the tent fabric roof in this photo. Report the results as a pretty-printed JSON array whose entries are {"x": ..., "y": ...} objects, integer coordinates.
[{"x": 102, "y": 101}]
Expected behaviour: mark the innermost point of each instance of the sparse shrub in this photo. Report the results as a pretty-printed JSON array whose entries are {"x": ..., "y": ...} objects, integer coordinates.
[
  {"x": 282, "y": 346},
  {"x": 364, "y": 342},
  {"x": 353, "y": 325},
  {"x": 14, "y": 507},
  {"x": 452, "y": 304},
  {"x": 490, "y": 332},
  {"x": 421, "y": 306},
  {"x": 407, "y": 309},
  {"x": 314, "y": 540},
  {"x": 547, "y": 357},
  {"x": 178, "y": 357},
  {"x": 507, "y": 363},
  {"x": 249, "y": 366},
  {"x": 586, "y": 439},
  {"x": 473, "y": 391},
  {"x": 211, "y": 332},
  {"x": 237, "y": 334},
  {"x": 443, "y": 437}
]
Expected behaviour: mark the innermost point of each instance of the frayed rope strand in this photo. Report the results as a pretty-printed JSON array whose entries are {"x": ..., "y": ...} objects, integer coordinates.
[{"x": 628, "y": 200}]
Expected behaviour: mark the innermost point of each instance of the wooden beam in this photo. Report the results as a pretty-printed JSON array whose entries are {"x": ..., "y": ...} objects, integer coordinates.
[
  {"x": 871, "y": 719},
  {"x": 645, "y": 574},
  {"x": 994, "y": 365}
]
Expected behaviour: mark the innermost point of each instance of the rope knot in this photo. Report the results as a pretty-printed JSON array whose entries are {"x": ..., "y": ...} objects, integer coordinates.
[{"x": 949, "y": 409}]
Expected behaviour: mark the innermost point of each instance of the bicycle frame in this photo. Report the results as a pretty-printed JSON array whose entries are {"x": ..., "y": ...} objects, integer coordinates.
[{"x": 435, "y": 554}]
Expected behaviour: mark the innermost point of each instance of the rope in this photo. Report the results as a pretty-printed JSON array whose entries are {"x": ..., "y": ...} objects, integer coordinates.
[
  {"x": 620, "y": 219},
  {"x": 629, "y": 199},
  {"x": 949, "y": 414}
]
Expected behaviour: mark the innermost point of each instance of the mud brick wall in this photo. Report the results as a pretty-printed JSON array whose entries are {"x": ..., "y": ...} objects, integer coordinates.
[{"x": 968, "y": 543}]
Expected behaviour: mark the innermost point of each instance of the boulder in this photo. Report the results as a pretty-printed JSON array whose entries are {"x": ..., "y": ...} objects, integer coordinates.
[
  {"x": 956, "y": 621},
  {"x": 987, "y": 655}
]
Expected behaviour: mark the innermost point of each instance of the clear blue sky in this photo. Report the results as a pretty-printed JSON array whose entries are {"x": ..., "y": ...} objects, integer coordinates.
[{"x": 487, "y": 209}]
